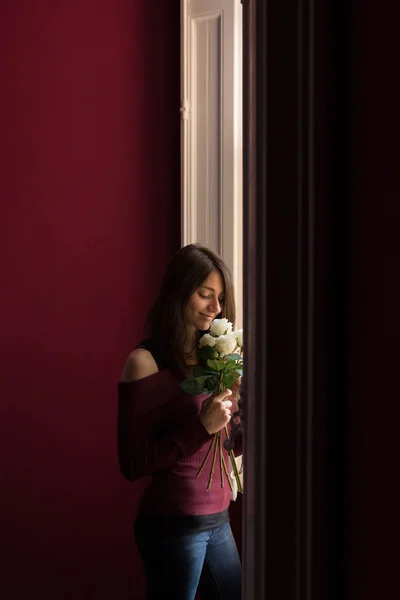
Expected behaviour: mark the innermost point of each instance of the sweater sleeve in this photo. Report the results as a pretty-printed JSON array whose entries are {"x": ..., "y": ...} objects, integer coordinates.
[{"x": 139, "y": 454}]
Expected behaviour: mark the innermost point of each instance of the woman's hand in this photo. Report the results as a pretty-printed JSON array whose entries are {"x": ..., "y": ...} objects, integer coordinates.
[{"x": 215, "y": 412}]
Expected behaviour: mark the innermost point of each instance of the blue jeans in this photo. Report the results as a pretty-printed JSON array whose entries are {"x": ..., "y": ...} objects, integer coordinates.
[{"x": 177, "y": 565}]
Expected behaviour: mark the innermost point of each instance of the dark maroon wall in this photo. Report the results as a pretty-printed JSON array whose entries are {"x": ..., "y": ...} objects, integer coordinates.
[
  {"x": 374, "y": 397},
  {"x": 89, "y": 215}
]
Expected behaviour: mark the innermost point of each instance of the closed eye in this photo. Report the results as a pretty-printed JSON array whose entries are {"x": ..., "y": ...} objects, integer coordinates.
[{"x": 220, "y": 300}]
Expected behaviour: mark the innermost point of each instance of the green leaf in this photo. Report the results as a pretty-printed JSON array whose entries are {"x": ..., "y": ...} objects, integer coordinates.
[
  {"x": 231, "y": 366},
  {"x": 233, "y": 357},
  {"x": 191, "y": 386},
  {"x": 202, "y": 379},
  {"x": 236, "y": 374},
  {"x": 216, "y": 365},
  {"x": 229, "y": 378},
  {"x": 206, "y": 353},
  {"x": 212, "y": 383},
  {"x": 200, "y": 372}
]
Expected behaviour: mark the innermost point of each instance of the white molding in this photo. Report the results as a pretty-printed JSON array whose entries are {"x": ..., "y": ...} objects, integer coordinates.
[{"x": 211, "y": 130}]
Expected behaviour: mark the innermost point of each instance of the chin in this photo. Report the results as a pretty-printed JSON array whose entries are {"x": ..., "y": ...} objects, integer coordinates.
[{"x": 203, "y": 325}]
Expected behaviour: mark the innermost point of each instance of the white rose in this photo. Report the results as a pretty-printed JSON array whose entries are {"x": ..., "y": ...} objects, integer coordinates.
[
  {"x": 226, "y": 344},
  {"x": 239, "y": 337},
  {"x": 207, "y": 340},
  {"x": 220, "y": 327}
]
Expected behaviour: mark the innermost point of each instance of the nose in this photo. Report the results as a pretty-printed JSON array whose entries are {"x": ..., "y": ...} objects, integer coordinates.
[{"x": 215, "y": 306}]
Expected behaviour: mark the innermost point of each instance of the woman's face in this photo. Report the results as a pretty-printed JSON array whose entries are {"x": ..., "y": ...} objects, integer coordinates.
[{"x": 206, "y": 302}]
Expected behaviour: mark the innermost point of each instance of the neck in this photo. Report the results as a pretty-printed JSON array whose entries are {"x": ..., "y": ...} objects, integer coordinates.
[
  {"x": 190, "y": 349},
  {"x": 191, "y": 342}
]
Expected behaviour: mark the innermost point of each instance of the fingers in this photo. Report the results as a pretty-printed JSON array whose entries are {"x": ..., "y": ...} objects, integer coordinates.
[
  {"x": 225, "y": 403},
  {"x": 223, "y": 394},
  {"x": 227, "y": 408}
]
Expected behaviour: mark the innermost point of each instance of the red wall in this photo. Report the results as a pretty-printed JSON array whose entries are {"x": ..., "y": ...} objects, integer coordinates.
[
  {"x": 374, "y": 399},
  {"x": 89, "y": 215}
]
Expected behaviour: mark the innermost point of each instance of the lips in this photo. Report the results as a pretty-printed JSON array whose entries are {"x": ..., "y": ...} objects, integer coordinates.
[{"x": 207, "y": 316}]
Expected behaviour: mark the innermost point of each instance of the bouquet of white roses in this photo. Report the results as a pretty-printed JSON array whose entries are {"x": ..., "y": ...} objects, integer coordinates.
[{"x": 220, "y": 353}]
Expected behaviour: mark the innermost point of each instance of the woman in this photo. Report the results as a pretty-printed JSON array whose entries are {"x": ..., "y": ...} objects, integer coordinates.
[{"x": 182, "y": 530}]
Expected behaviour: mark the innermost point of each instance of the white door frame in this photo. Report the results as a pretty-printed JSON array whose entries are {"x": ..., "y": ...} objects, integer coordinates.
[{"x": 211, "y": 130}]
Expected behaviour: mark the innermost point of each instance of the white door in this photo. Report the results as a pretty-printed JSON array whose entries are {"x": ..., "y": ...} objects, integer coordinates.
[{"x": 211, "y": 93}]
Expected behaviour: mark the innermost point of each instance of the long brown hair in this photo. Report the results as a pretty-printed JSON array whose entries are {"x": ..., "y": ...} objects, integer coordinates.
[{"x": 167, "y": 324}]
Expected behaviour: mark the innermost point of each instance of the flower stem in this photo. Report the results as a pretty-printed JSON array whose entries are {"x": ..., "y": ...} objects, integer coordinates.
[
  {"x": 216, "y": 446},
  {"x": 203, "y": 464},
  {"x": 226, "y": 471},
  {"x": 231, "y": 454},
  {"x": 218, "y": 436},
  {"x": 221, "y": 458},
  {"x": 234, "y": 465}
]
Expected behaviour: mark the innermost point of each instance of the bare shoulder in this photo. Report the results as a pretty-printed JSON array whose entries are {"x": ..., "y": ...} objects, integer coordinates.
[{"x": 139, "y": 364}]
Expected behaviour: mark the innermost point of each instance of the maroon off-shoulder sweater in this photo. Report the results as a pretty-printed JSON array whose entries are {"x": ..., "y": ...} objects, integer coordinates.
[{"x": 160, "y": 434}]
